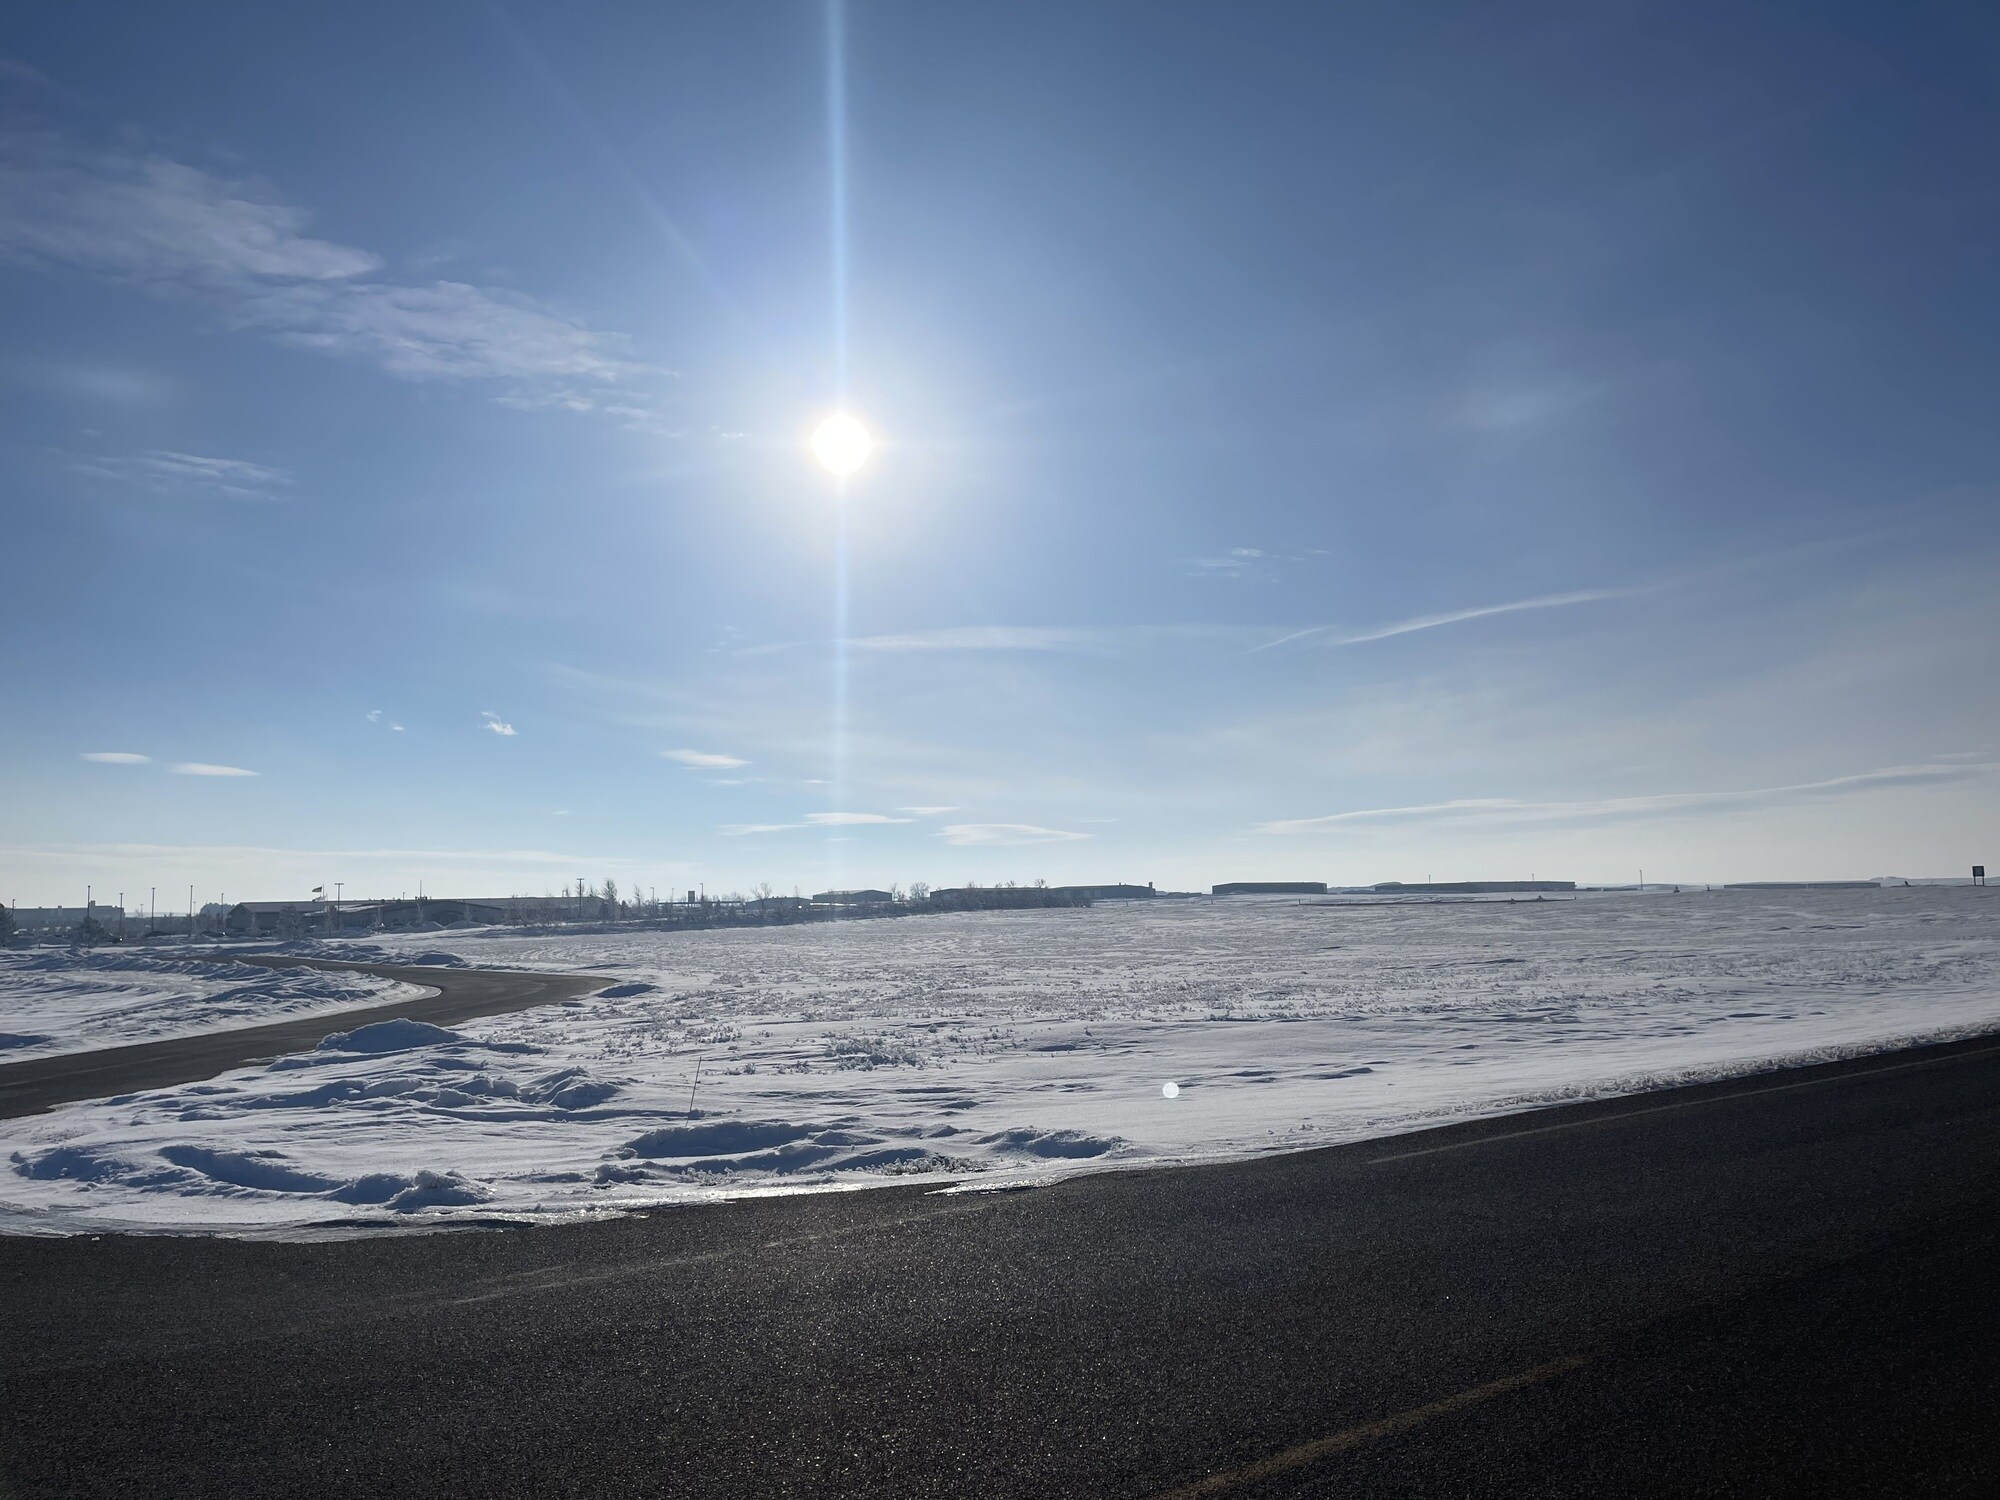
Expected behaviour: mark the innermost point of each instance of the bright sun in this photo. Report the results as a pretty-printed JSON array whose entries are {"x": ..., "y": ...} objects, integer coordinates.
[{"x": 842, "y": 445}]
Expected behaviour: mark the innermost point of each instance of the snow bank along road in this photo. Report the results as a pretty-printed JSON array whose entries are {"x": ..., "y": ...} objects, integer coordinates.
[
  {"x": 55, "y": 1000},
  {"x": 435, "y": 996},
  {"x": 1765, "y": 1286}
]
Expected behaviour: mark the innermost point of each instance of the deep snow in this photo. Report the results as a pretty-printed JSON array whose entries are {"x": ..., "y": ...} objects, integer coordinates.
[{"x": 988, "y": 1048}]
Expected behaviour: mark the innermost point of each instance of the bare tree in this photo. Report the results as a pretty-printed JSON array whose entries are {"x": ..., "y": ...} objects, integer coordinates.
[{"x": 920, "y": 890}]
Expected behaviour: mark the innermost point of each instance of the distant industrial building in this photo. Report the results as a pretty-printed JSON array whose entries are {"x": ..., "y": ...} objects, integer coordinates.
[
  {"x": 297, "y": 918},
  {"x": 530, "y": 909},
  {"x": 1271, "y": 888},
  {"x": 45, "y": 919},
  {"x": 1009, "y": 897},
  {"x": 282, "y": 918},
  {"x": 1108, "y": 892},
  {"x": 775, "y": 903},
  {"x": 1469, "y": 887},
  {"x": 851, "y": 898}
]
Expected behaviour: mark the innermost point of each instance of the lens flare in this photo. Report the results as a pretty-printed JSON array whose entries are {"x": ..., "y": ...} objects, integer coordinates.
[{"x": 842, "y": 445}]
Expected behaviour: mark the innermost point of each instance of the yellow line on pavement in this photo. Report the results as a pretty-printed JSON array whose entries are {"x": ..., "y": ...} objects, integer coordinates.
[{"x": 1368, "y": 1432}]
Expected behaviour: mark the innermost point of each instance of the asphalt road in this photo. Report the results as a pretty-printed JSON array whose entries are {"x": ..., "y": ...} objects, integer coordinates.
[
  {"x": 1779, "y": 1286},
  {"x": 30, "y": 1087}
]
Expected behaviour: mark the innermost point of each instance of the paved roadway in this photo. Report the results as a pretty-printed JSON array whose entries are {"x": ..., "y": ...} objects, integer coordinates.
[
  {"x": 30, "y": 1087},
  {"x": 1779, "y": 1286}
]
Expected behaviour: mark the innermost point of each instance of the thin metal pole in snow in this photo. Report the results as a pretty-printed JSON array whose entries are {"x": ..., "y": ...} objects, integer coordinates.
[{"x": 695, "y": 1085}]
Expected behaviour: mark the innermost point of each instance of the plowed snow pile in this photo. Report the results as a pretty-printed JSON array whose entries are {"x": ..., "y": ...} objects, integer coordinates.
[{"x": 997, "y": 1047}]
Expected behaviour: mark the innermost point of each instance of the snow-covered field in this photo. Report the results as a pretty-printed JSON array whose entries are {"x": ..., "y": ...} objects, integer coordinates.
[
  {"x": 990, "y": 1048},
  {"x": 55, "y": 1000}
]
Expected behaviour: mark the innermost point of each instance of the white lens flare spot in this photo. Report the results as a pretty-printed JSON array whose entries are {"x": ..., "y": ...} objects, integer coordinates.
[
  {"x": 842, "y": 445},
  {"x": 1171, "y": 1090}
]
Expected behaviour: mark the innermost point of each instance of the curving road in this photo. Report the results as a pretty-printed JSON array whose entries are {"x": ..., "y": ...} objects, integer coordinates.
[
  {"x": 1780, "y": 1285},
  {"x": 456, "y": 995}
]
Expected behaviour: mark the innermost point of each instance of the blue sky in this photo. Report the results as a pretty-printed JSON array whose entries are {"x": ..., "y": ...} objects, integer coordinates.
[{"x": 1349, "y": 443}]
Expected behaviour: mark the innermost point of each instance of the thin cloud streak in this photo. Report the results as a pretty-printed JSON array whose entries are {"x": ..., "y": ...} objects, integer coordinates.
[
  {"x": 166, "y": 472},
  {"x": 204, "y": 768},
  {"x": 1453, "y": 617},
  {"x": 1005, "y": 835},
  {"x": 117, "y": 757},
  {"x": 1512, "y": 810},
  {"x": 704, "y": 760},
  {"x": 811, "y": 820}
]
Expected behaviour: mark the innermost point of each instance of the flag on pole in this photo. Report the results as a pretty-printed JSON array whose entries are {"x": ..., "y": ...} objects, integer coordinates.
[{"x": 319, "y": 890}]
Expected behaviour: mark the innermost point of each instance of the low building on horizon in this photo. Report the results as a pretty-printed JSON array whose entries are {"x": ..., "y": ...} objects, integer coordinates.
[
  {"x": 1270, "y": 888},
  {"x": 303, "y": 918},
  {"x": 1469, "y": 887},
  {"x": 1108, "y": 892},
  {"x": 42, "y": 919}
]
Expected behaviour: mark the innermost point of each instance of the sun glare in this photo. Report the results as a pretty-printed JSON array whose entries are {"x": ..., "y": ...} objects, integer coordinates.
[{"x": 842, "y": 445}]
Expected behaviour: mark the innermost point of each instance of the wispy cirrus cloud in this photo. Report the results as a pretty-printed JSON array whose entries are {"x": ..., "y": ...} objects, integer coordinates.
[
  {"x": 1237, "y": 562},
  {"x": 496, "y": 724},
  {"x": 704, "y": 760},
  {"x": 175, "y": 230},
  {"x": 166, "y": 472},
  {"x": 1612, "y": 809},
  {"x": 179, "y": 768},
  {"x": 375, "y": 716},
  {"x": 926, "y": 812},
  {"x": 812, "y": 820},
  {"x": 994, "y": 835},
  {"x": 1249, "y": 562},
  {"x": 1331, "y": 635}
]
